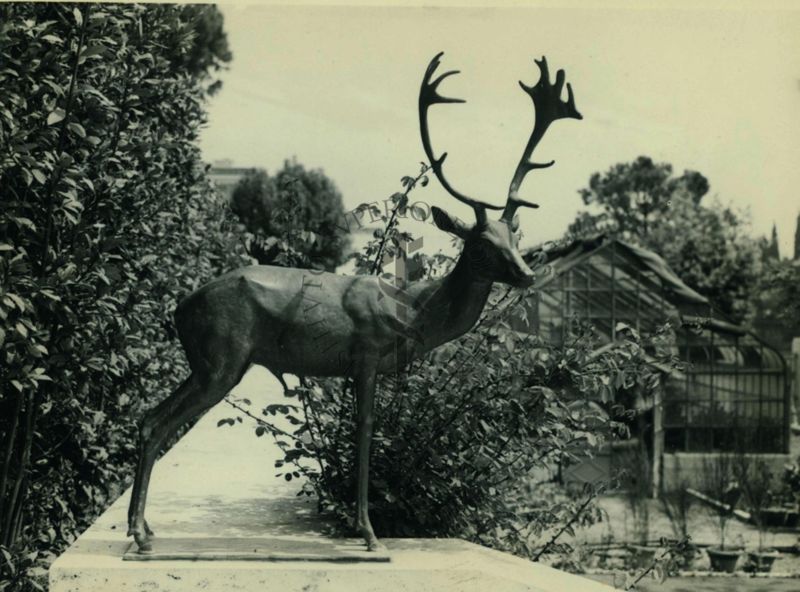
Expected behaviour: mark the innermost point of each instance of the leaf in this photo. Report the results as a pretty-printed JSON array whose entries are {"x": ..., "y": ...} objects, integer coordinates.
[
  {"x": 418, "y": 213},
  {"x": 19, "y": 302},
  {"x": 55, "y": 116},
  {"x": 55, "y": 88},
  {"x": 39, "y": 176},
  {"x": 92, "y": 50},
  {"x": 78, "y": 16},
  {"x": 77, "y": 129}
]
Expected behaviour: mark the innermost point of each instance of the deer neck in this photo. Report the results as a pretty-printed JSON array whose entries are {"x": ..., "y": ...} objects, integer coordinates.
[{"x": 450, "y": 306}]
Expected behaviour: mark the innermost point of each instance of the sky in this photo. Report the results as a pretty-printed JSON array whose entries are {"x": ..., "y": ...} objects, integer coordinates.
[{"x": 708, "y": 89}]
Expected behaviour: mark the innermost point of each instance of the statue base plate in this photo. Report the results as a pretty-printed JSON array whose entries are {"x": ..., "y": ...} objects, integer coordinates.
[{"x": 257, "y": 549}]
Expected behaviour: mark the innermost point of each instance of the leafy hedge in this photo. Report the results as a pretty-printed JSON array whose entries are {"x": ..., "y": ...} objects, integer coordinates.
[{"x": 107, "y": 220}]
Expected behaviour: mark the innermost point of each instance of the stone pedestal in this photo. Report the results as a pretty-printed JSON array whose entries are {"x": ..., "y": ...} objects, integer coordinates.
[{"x": 224, "y": 522}]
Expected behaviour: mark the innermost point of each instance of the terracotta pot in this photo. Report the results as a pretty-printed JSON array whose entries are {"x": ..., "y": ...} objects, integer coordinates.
[
  {"x": 723, "y": 560},
  {"x": 762, "y": 560}
]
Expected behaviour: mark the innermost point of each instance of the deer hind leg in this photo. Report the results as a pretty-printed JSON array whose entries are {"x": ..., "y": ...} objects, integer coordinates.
[
  {"x": 149, "y": 428},
  {"x": 365, "y": 375},
  {"x": 195, "y": 396}
]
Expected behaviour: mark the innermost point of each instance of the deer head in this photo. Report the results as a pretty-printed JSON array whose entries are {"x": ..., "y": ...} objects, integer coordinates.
[{"x": 490, "y": 246}]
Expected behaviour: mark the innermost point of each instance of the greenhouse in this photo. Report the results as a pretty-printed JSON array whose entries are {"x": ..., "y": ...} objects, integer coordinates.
[{"x": 729, "y": 389}]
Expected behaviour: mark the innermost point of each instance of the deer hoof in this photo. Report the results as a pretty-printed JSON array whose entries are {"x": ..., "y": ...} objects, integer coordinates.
[
  {"x": 364, "y": 528},
  {"x": 142, "y": 537},
  {"x": 375, "y": 545},
  {"x": 144, "y": 544}
]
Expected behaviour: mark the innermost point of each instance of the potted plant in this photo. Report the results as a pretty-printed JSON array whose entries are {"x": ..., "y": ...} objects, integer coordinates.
[
  {"x": 719, "y": 485},
  {"x": 637, "y": 496},
  {"x": 755, "y": 479},
  {"x": 676, "y": 504},
  {"x": 790, "y": 493}
]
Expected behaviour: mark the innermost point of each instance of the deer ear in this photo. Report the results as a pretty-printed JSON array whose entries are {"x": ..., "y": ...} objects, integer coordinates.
[{"x": 446, "y": 222}]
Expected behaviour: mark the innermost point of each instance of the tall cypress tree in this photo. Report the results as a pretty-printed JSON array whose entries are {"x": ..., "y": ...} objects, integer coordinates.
[{"x": 772, "y": 252}]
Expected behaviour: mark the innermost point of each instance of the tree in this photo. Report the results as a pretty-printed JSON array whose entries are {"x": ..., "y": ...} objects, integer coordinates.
[
  {"x": 707, "y": 246},
  {"x": 633, "y": 194},
  {"x": 779, "y": 292},
  {"x": 709, "y": 249},
  {"x": 107, "y": 220},
  {"x": 771, "y": 250},
  {"x": 209, "y": 51},
  {"x": 295, "y": 210},
  {"x": 797, "y": 240}
]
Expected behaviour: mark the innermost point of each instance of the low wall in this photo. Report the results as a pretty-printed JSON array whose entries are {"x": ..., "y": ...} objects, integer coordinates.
[
  {"x": 224, "y": 523},
  {"x": 686, "y": 469}
]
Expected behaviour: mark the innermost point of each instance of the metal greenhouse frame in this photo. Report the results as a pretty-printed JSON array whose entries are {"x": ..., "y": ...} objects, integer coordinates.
[{"x": 732, "y": 388}]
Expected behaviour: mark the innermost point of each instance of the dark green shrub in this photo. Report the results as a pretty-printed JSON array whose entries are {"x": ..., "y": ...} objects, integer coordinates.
[
  {"x": 296, "y": 216},
  {"x": 107, "y": 220}
]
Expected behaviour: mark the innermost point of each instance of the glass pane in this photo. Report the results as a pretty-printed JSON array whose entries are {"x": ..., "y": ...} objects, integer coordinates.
[
  {"x": 675, "y": 413},
  {"x": 599, "y": 302},
  {"x": 700, "y": 387},
  {"x": 771, "y": 439},
  {"x": 725, "y": 439},
  {"x": 675, "y": 389},
  {"x": 700, "y": 440},
  {"x": 674, "y": 439},
  {"x": 700, "y": 414}
]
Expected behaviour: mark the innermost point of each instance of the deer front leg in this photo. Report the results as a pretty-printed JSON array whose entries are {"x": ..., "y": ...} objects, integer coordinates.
[{"x": 365, "y": 400}]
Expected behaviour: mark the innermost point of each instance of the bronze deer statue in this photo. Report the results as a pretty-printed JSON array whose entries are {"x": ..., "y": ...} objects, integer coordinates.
[{"x": 293, "y": 321}]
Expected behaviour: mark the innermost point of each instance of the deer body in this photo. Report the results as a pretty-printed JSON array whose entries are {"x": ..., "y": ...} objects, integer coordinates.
[
  {"x": 293, "y": 321},
  {"x": 320, "y": 324}
]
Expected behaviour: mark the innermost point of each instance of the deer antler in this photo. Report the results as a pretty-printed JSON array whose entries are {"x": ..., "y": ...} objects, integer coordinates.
[
  {"x": 428, "y": 96},
  {"x": 549, "y": 107}
]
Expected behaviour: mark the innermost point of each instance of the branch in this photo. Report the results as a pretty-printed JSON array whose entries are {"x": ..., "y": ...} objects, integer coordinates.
[
  {"x": 564, "y": 528},
  {"x": 12, "y": 436},
  {"x": 376, "y": 264},
  {"x": 273, "y": 430}
]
